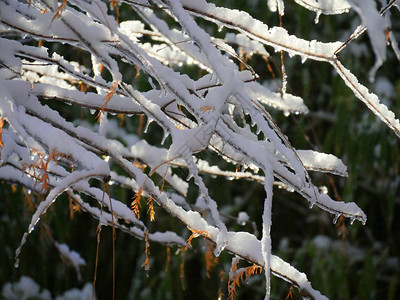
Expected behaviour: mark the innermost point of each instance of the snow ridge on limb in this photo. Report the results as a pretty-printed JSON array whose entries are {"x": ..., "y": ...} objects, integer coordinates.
[
  {"x": 281, "y": 40},
  {"x": 370, "y": 99},
  {"x": 375, "y": 27},
  {"x": 327, "y": 7},
  {"x": 62, "y": 186},
  {"x": 243, "y": 244},
  {"x": 276, "y": 37}
]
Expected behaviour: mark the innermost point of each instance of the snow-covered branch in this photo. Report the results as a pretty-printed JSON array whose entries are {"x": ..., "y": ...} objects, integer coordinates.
[{"x": 224, "y": 111}]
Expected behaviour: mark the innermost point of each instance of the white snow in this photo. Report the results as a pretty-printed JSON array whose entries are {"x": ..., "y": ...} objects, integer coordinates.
[
  {"x": 26, "y": 288},
  {"x": 266, "y": 242},
  {"x": 72, "y": 257},
  {"x": 78, "y": 294},
  {"x": 322, "y": 162},
  {"x": 370, "y": 99},
  {"x": 375, "y": 25},
  {"x": 327, "y": 7},
  {"x": 242, "y": 218}
]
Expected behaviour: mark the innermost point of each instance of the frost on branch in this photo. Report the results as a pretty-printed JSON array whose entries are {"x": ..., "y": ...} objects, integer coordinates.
[{"x": 225, "y": 110}]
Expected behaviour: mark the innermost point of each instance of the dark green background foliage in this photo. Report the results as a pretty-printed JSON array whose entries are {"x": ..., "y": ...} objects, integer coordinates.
[{"x": 357, "y": 262}]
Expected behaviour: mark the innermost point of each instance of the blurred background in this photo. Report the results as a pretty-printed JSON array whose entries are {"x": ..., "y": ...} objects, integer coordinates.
[{"x": 341, "y": 260}]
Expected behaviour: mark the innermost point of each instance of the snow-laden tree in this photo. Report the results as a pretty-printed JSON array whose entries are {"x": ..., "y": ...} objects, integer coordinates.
[{"x": 224, "y": 109}]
